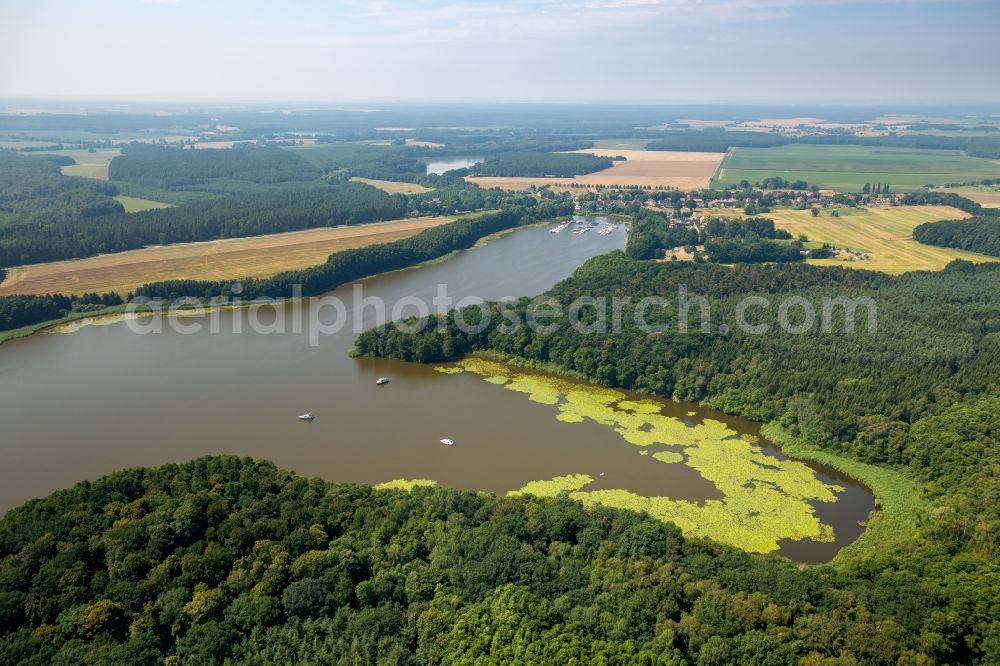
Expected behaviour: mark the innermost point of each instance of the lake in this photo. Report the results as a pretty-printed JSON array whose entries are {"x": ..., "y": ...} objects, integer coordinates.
[
  {"x": 447, "y": 164},
  {"x": 78, "y": 405}
]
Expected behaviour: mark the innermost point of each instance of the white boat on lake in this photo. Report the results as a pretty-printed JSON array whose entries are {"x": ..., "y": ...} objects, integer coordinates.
[
  {"x": 382, "y": 380},
  {"x": 306, "y": 417},
  {"x": 447, "y": 442}
]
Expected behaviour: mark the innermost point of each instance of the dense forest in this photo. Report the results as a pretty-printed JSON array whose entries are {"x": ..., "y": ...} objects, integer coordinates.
[
  {"x": 716, "y": 140},
  {"x": 342, "y": 267},
  {"x": 980, "y": 233},
  {"x": 386, "y": 162},
  {"x": 227, "y": 217},
  {"x": 651, "y": 233},
  {"x": 752, "y": 250},
  {"x": 977, "y": 234},
  {"x": 563, "y": 165},
  {"x": 230, "y": 559},
  {"x": 170, "y": 167},
  {"x": 33, "y": 190}
]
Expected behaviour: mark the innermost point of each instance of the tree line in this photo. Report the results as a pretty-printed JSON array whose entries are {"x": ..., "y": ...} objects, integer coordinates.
[
  {"x": 980, "y": 233},
  {"x": 977, "y": 234},
  {"x": 347, "y": 265},
  {"x": 383, "y": 162},
  {"x": 228, "y": 217},
  {"x": 18, "y": 310},
  {"x": 751, "y": 250},
  {"x": 562, "y": 165},
  {"x": 949, "y": 199}
]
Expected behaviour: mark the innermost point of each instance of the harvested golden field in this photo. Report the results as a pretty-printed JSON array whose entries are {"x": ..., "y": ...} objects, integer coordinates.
[
  {"x": 645, "y": 168},
  {"x": 392, "y": 186},
  {"x": 257, "y": 256},
  {"x": 884, "y": 234},
  {"x": 981, "y": 195}
]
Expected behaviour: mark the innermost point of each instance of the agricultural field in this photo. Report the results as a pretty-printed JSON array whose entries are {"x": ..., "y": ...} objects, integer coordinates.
[
  {"x": 135, "y": 204},
  {"x": 219, "y": 145},
  {"x": 884, "y": 234},
  {"x": 848, "y": 168},
  {"x": 686, "y": 171},
  {"x": 88, "y": 164},
  {"x": 392, "y": 186},
  {"x": 982, "y": 195},
  {"x": 257, "y": 256}
]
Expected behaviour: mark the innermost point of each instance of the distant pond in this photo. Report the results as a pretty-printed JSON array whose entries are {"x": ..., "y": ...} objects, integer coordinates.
[{"x": 439, "y": 167}]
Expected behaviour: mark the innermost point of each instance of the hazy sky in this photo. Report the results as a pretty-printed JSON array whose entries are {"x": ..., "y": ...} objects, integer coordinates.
[{"x": 667, "y": 50}]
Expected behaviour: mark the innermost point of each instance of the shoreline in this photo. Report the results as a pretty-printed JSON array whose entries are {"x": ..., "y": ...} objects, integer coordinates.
[
  {"x": 114, "y": 311},
  {"x": 897, "y": 497}
]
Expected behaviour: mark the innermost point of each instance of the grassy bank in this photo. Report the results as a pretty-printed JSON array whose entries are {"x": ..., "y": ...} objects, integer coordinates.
[
  {"x": 25, "y": 331},
  {"x": 898, "y": 498}
]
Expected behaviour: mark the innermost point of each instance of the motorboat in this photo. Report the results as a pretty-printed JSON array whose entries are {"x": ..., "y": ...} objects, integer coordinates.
[
  {"x": 382, "y": 380},
  {"x": 306, "y": 417},
  {"x": 447, "y": 442}
]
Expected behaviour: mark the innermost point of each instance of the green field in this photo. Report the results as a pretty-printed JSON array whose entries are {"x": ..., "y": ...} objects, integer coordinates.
[
  {"x": 88, "y": 164},
  {"x": 848, "y": 168},
  {"x": 135, "y": 204},
  {"x": 172, "y": 197}
]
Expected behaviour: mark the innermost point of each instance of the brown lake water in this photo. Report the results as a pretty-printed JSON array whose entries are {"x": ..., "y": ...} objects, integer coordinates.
[{"x": 78, "y": 405}]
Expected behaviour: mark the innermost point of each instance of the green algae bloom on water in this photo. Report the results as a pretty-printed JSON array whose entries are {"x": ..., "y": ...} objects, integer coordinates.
[
  {"x": 404, "y": 484},
  {"x": 765, "y": 500},
  {"x": 554, "y": 486}
]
